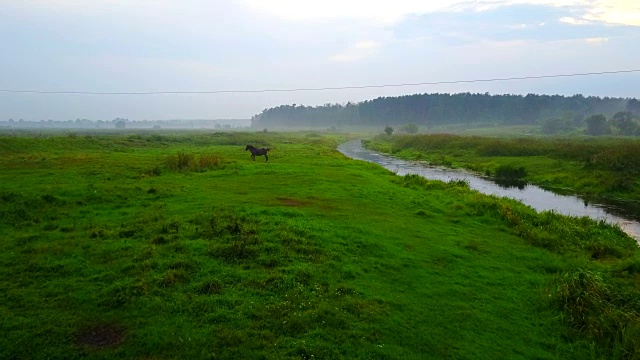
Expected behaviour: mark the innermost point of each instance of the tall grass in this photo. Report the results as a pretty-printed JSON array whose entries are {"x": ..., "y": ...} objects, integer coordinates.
[
  {"x": 599, "y": 311},
  {"x": 616, "y": 154},
  {"x": 597, "y": 301},
  {"x": 189, "y": 162},
  {"x": 510, "y": 172},
  {"x": 606, "y": 168}
]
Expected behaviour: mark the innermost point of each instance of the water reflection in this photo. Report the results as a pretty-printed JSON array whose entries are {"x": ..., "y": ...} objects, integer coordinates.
[
  {"x": 531, "y": 195},
  {"x": 505, "y": 184}
]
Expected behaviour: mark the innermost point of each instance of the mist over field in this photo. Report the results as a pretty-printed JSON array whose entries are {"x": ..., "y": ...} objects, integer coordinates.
[{"x": 63, "y": 53}]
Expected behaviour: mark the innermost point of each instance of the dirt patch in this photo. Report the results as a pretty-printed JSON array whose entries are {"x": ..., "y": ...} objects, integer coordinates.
[
  {"x": 291, "y": 202},
  {"x": 100, "y": 336}
]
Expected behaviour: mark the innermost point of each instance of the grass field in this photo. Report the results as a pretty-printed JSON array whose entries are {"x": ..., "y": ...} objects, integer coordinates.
[{"x": 164, "y": 246}]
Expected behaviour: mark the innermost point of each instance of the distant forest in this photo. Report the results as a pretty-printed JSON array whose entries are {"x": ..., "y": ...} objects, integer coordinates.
[
  {"x": 123, "y": 123},
  {"x": 429, "y": 110}
]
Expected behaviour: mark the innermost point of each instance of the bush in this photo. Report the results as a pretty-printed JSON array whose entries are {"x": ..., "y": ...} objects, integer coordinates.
[
  {"x": 154, "y": 171},
  {"x": 510, "y": 172},
  {"x": 179, "y": 162},
  {"x": 189, "y": 162},
  {"x": 210, "y": 161},
  {"x": 410, "y": 128},
  {"x": 555, "y": 126},
  {"x": 597, "y": 125}
]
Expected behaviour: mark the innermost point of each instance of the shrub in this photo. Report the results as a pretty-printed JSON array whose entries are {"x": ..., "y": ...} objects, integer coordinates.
[
  {"x": 510, "y": 172},
  {"x": 181, "y": 161},
  {"x": 410, "y": 128},
  {"x": 555, "y": 126},
  {"x": 189, "y": 162},
  {"x": 597, "y": 125},
  {"x": 154, "y": 171},
  {"x": 208, "y": 161}
]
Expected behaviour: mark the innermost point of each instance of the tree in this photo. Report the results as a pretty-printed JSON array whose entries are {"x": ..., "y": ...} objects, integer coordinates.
[
  {"x": 554, "y": 126},
  {"x": 431, "y": 110},
  {"x": 633, "y": 106},
  {"x": 120, "y": 123},
  {"x": 577, "y": 120},
  {"x": 597, "y": 125},
  {"x": 410, "y": 128},
  {"x": 623, "y": 120},
  {"x": 388, "y": 130}
]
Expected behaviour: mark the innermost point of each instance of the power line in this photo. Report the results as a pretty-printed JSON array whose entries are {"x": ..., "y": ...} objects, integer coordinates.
[{"x": 315, "y": 89}]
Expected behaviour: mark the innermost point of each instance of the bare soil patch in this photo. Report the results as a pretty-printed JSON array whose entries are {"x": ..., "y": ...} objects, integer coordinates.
[
  {"x": 291, "y": 202},
  {"x": 100, "y": 336}
]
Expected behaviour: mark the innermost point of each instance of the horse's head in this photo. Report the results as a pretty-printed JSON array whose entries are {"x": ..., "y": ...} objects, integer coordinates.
[{"x": 248, "y": 147}]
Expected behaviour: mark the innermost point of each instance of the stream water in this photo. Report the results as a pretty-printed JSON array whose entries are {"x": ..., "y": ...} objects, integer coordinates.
[{"x": 531, "y": 195}]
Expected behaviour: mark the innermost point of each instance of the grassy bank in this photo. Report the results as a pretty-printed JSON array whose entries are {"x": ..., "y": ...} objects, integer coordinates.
[
  {"x": 179, "y": 246},
  {"x": 607, "y": 168}
]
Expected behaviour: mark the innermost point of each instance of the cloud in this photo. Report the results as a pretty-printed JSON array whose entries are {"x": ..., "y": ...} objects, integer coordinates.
[
  {"x": 359, "y": 51},
  {"x": 596, "y": 40},
  {"x": 100, "y": 8},
  {"x": 179, "y": 14},
  {"x": 366, "y": 44},
  {"x": 125, "y": 64},
  {"x": 573, "y": 21},
  {"x": 621, "y": 12},
  {"x": 385, "y": 12}
]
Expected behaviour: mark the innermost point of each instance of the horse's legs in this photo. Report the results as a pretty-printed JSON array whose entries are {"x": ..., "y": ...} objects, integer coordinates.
[
  {"x": 253, "y": 157},
  {"x": 266, "y": 158}
]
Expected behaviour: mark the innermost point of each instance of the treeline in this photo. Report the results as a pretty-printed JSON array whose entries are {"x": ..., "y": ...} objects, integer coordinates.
[
  {"x": 621, "y": 123},
  {"x": 430, "y": 110},
  {"x": 122, "y": 123}
]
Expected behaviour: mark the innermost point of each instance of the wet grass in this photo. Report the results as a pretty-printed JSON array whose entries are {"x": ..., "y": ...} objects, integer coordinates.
[{"x": 131, "y": 246}]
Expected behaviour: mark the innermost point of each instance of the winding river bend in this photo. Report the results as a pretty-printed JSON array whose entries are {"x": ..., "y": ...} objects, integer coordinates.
[{"x": 531, "y": 195}]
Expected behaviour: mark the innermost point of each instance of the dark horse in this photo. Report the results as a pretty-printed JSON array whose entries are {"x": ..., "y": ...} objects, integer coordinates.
[{"x": 259, "y": 152}]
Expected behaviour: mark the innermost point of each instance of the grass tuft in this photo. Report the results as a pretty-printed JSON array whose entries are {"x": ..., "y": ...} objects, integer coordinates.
[
  {"x": 211, "y": 287},
  {"x": 189, "y": 162},
  {"x": 599, "y": 311}
]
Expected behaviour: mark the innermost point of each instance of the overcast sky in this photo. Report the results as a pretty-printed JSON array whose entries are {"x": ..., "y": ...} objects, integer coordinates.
[{"x": 210, "y": 45}]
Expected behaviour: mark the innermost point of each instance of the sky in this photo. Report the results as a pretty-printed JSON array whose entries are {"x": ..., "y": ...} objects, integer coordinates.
[{"x": 211, "y": 45}]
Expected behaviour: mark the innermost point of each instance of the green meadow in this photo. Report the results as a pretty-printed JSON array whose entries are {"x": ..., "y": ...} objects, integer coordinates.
[{"x": 178, "y": 246}]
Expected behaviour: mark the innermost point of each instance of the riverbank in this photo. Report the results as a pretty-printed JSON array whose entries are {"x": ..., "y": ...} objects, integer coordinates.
[
  {"x": 180, "y": 246},
  {"x": 597, "y": 168},
  {"x": 530, "y": 195}
]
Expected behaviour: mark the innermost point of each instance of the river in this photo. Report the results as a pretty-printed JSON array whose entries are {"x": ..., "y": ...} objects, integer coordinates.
[{"x": 531, "y": 195}]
